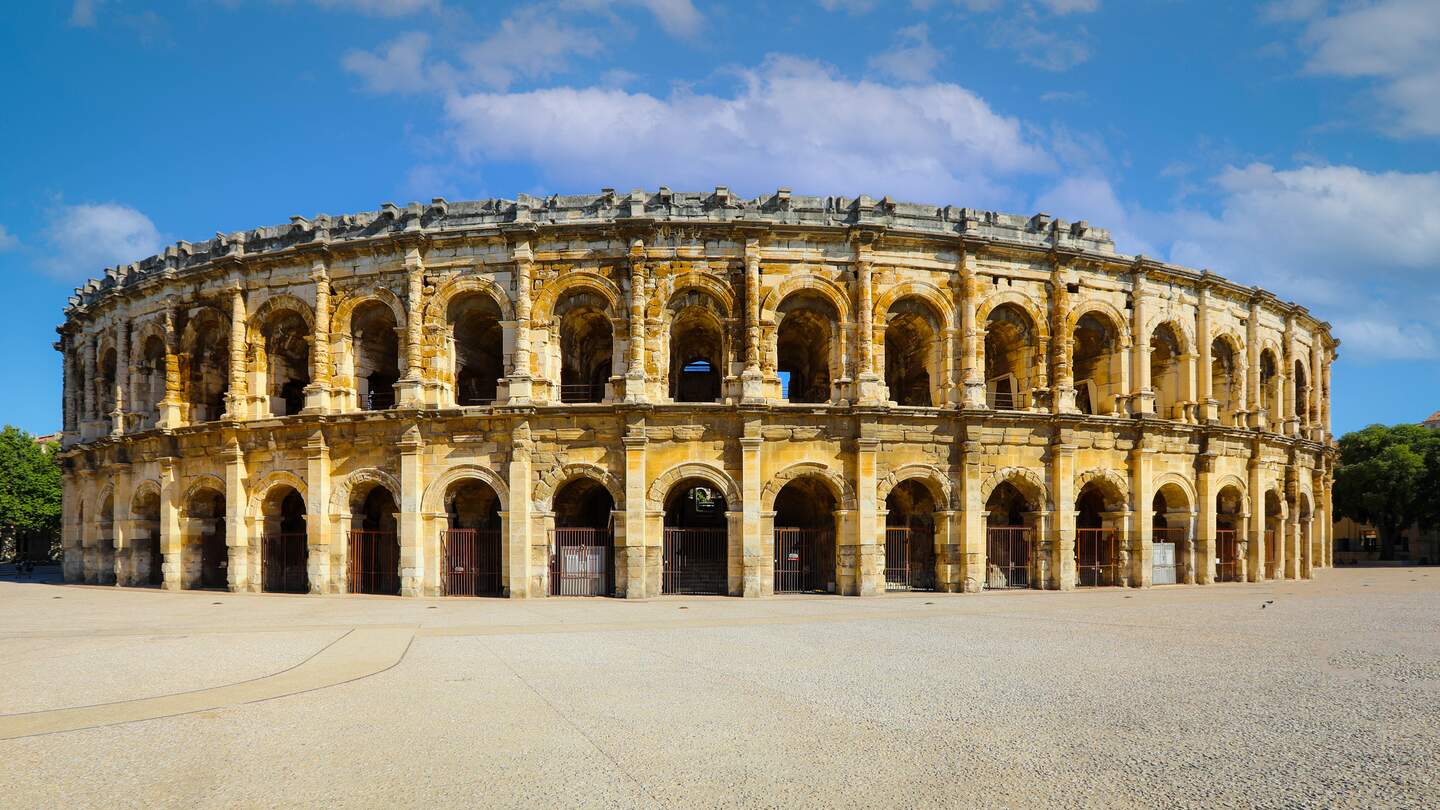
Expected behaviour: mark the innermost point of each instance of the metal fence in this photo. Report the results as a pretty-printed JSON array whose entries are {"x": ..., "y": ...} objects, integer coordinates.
[
  {"x": 472, "y": 562},
  {"x": 580, "y": 562},
  {"x": 695, "y": 561},
  {"x": 1167, "y": 547},
  {"x": 798, "y": 559},
  {"x": 374, "y": 562},
  {"x": 379, "y": 400},
  {"x": 909, "y": 558},
  {"x": 1227, "y": 555},
  {"x": 1007, "y": 556},
  {"x": 582, "y": 392},
  {"x": 282, "y": 564},
  {"x": 1097, "y": 558}
]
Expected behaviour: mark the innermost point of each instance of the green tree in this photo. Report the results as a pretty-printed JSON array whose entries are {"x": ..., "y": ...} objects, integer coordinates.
[
  {"x": 29, "y": 490},
  {"x": 1389, "y": 477}
]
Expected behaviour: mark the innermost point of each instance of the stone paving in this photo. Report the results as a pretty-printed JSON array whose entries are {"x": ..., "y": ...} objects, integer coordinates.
[{"x": 1289, "y": 694}]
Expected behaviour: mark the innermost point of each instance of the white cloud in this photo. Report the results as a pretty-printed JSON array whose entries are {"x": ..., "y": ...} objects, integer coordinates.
[
  {"x": 530, "y": 43},
  {"x": 1039, "y": 46},
  {"x": 850, "y": 6},
  {"x": 85, "y": 239},
  {"x": 399, "y": 69},
  {"x": 1395, "y": 43},
  {"x": 1089, "y": 196},
  {"x": 8, "y": 241},
  {"x": 790, "y": 123},
  {"x": 913, "y": 59},
  {"x": 82, "y": 13},
  {"x": 1360, "y": 248},
  {"x": 381, "y": 8},
  {"x": 679, "y": 18}
]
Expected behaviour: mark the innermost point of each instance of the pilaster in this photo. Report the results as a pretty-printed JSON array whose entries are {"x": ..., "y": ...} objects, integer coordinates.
[
  {"x": 635, "y": 363},
  {"x": 237, "y": 541},
  {"x": 521, "y": 382},
  {"x": 1142, "y": 514},
  {"x": 870, "y": 551},
  {"x": 1205, "y": 525},
  {"x": 1062, "y": 535},
  {"x": 171, "y": 539},
  {"x": 636, "y": 553},
  {"x": 235, "y": 395},
  {"x": 758, "y": 555},
  {"x": 317, "y": 393},
  {"x": 412, "y": 486},
  {"x": 408, "y": 388},
  {"x": 317, "y": 514},
  {"x": 518, "y": 544},
  {"x": 1143, "y": 398}
]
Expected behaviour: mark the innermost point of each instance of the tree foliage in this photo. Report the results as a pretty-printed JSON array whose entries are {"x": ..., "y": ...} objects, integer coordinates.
[
  {"x": 1389, "y": 477},
  {"x": 29, "y": 489}
]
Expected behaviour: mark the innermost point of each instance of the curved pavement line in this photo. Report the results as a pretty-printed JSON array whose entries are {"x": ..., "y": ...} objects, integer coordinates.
[{"x": 358, "y": 654}]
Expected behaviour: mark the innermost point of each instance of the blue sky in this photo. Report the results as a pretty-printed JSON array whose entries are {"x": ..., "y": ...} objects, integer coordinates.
[{"x": 1294, "y": 145}]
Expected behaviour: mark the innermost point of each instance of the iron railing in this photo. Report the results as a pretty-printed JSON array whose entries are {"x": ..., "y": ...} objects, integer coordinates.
[
  {"x": 373, "y": 562},
  {"x": 909, "y": 558},
  {"x": 1227, "y": 555},
  {"x": 1007, "y": 555},
  {"x": 1167, "y": 550},
  {"x": 696, "y": 561},
  {"x": 283, "y": 561},
  {"x": 382, "y": 400},
  {"x": 1097, "y": 558},
  {"x": 798, "y": 559},
  {"x": 1003, "y": 400},
  {"x": 580, "y": 562},
  {"x": 582, "y": 392},
  {"x": 1272, "y": 556},
  {"x": 472, "y": 562}
]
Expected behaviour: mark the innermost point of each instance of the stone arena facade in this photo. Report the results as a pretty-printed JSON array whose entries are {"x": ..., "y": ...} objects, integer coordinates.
[{"x": 665, "y": 392}]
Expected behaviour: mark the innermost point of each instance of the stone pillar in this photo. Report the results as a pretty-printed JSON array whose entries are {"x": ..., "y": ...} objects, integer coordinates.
[
  {"x": 121, "y": 571},
  {"x": 237, "y": 540},
  {"x": 1205, "y": 385},
  {"x": 407, "y": 390},
  {"x": 412, "y": 487},
  {"x": 869, "y": 544},
  {"x": 1205, "y": 525},
  {"x": 1061, "y": 343},
  {"x": 635, "y": 364},
  {"x": 122, "y": 377},
  {"x": 1062, "y": 533},
  {"x": 170, "y": 405},
  {"x": 1252, "y": 366},
  {"x": 73, "y": 561},
  {"x": 1312, "y": 407},
  {"x": 518, "y": 545},
  {"x": 972, "y": 364},
  {"x": 970, "y": 541},
  {"x": 317, "y": 515},
  {"x": 235, "y": 398},
  {"x": 757, "y": 553},
  {"x": 1255, "y": 532},
  {"x": 521, "y": 382},
  {"x": 317, "y": 393},
  {"x": 88, "y": 412},
  {"x": 635, "y": 553},
  {"x": 868, "y": 384},
  {"x": 1325, "y": 400},
  {"x": 1292, "y": 405},
  {"x": 1143, "y": 398},
  {"x": 947, "y": 387},
  {"x": 1142, "y": 514},
  {"x": 171, "y": 540}
]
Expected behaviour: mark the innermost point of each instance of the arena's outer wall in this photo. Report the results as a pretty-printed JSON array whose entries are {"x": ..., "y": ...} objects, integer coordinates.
[{"x": 644, "y": 259}]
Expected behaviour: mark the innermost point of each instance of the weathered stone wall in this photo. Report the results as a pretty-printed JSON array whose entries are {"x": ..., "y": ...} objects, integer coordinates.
[{"x": 332, "y": 357}]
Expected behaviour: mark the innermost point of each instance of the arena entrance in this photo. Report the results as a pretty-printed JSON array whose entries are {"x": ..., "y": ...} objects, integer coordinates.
[
  {"x": 285, "y": 544},
  {"x": 375, "y": 547},
  {"x": 206, "y": 514},
  {"x": 146, "y": 560},
  {"x": 1097, "y": 545},
  {"x": 1274, "y": 557},
  {"x": 910, "y": 538},
  {"x": 1009, "y": 540},
  {"x": 1170, "y": 536},
  {"x": 1228, "y": 503},
  {"x": 697, "y": 540},
  {"x": 805, "y": 537},
  {"x": 582, "y": 556},
  {"x": 472, "y": 541}
]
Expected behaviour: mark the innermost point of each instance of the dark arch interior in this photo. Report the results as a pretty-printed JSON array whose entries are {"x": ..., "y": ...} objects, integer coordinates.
[
  {"x": 696, "y": 543},
  {"x": 802, "y": 347},
  {"x": 804, "y": 537},
  {"x": 1097, "y": 546},
  {"x": 586, "y": 346},
  {"x": 207, "y": 513},
  {"x": 1223, "y": 386},
  {"x": 152, "y": 378},
  {"x": 695, "y": 356},
  {"x": 287, "y": 348},
  {"x": 206, "y": 372},
  {"x": 1008, "y": 336},
  {"x": 1007, "y": 538},
  {"x": 374, "y": 544},
  {"x": 377, "y": 355},
  {"x": 910, "y": 537},
  {"x": 911, "y": 339},
  {"x": 284, "y": 545},
  {"x": 473, "y": 547},
  {"x": 1007, "y": 506},
  {"x": 146, "y": 560},
  {"x": 1096, "y": 343},
  {"x": 582, "y": 563},
  {"x": 479, "y": 348}
]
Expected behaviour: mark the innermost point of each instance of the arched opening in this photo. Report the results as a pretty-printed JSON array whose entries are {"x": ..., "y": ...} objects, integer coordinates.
[
  {"x": 205, "y": 367},
  {"x": 1098, "y": 365},
  {"x": 376, "y": 346},
  {"x": 146, "y": 561},
  {"x": 1270, "y": 388},
  {"x": 804, "y": 344},
  {"x": 587, "y": 344},
  {"x": 374, "y": 557},
  {"x": 284, "y": 544},
  {"x": 1229, "y": 502},
  {"x": 1274, "y": 536},
  {"x": 696, "y": 355},
  {"x": 105, "y": 543},
  {"x": 910, "y": 537},
  {"x": 1308, "y": 556},
  {"x": 150, "y": 385},
  {"x": 582, "y": 559},
  {"x": 1009, "y": 538},
  {"x": 207, "y": 558},
  {"x": 478, "y": 349},
  {"x": 912, "y": 353},
  {"x": 1170, "y": 536},
  {"x": 805, "y": 537},
  {"x": 1098, "y": 515},
  {"x": 1009, "y": 358},
  {"x": 1165, "y": 372},
  {"x": 473, "y": 548},
  {"x": 1224, "y": 386},
  {"x": 286, "y": 337},
  {"x": 105, "y": 398},
  {"x": 697, "y": 539},
  {"x": 1302, "y": 396}
]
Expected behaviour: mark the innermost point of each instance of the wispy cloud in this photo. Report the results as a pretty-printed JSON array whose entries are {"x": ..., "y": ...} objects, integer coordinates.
[
  {"x": 912, "y": 58},
  {"x": 84, "y": 239},
  {"x": 8, "y": 241}
]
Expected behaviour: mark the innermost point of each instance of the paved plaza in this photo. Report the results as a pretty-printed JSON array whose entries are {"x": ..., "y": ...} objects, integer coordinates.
[{"x": 1321, "y": 694}]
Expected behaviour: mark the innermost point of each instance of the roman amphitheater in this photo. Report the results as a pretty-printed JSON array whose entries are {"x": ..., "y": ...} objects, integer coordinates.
[{"x": 663, "y": 392}]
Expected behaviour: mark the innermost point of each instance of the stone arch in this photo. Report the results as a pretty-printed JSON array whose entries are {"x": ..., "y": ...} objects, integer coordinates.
[
  {"x": 923, "y": 290},
  {"x": 661, "y": 486},
  {"x": 1237, "y": 343},
  {"x": 558, "y": 476},
  {"x": 719, "y": 292},
  {"x": 1112, "y": 485},
  {"x": 932, "y": 478},
  {"x": 146, "y": 329},
  {"x": 1029, "y": 482},
  {"x": 439, "y": 303},
  {"x": 843, "y": 493},
  {"x": 262, "y": 490},
  {"x": 433, "y": 501},
  {"x": 142, "y": 491},
  {"x": 280, "y": 302},
  {"x": 773, "y": 298},
  {"x": 1183, "y": 332},
  {"x": 1231, "y": 480},
  {"x": 1109, "y": 311},
  {"x": 591, "y": 280},
  {"x": 340, "y": 498},
  {"x": 340, "y": 321},
  {"x": 1180, "y": 482},
  {"x": 199, "y": 485},
  {"x": 1020, "y": 300},
  {"x": 105, "y": 492}
]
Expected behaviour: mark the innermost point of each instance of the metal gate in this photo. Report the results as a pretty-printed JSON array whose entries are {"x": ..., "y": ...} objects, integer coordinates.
[
  {"x": 1097, "y": 558},
  {"x": 472, "y": 562},
  {"x": 897, "y": 559},
  {"x": 798, "y": 560},
  {"x": 374, "y": 562},
  {"x": 909, "y": 558},
  {"x": 1007, "y": 555},
  {"x": 695, "y": 561},
  {"x": 282, "y": 567},
  {"x": 1227, "y": 556},
  {"x": 580, "y": 562},
  {"x": 1166, "y": 549},
  {"x": 1272, "y": 556}
]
